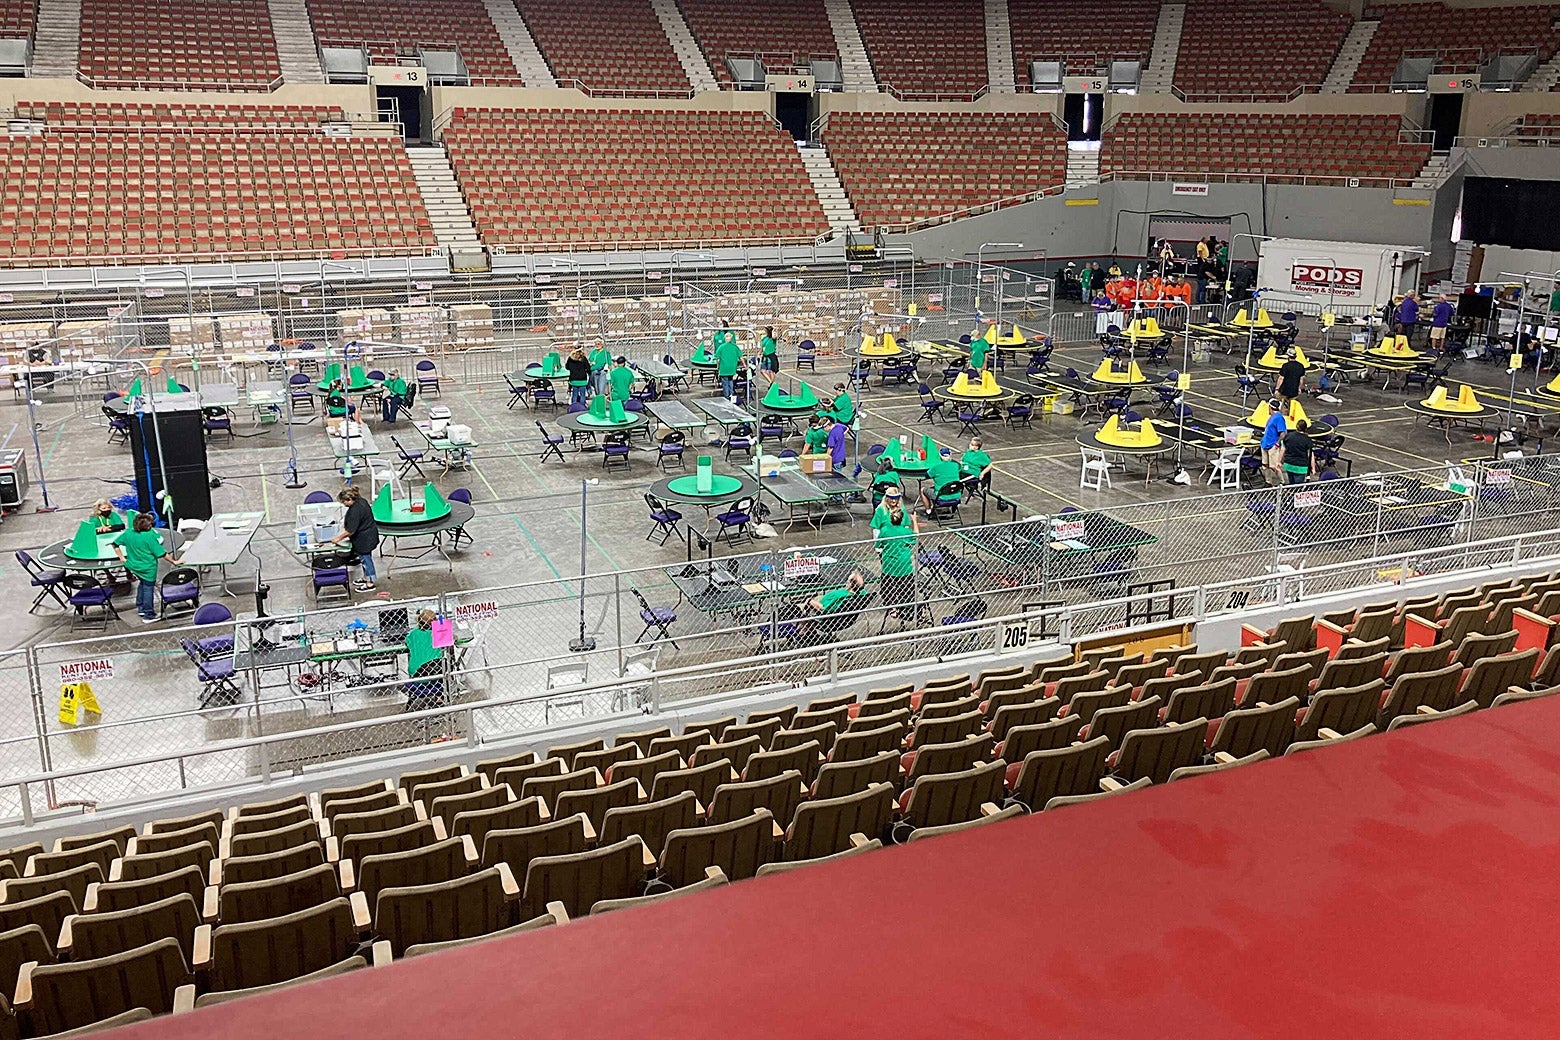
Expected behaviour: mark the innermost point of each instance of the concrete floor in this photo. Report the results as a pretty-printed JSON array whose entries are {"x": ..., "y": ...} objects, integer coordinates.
[{"x": 528, "y": 526}]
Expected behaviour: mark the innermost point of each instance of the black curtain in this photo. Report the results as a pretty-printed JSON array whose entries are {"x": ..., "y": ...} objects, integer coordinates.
[{"x": 1501, "y": 211}]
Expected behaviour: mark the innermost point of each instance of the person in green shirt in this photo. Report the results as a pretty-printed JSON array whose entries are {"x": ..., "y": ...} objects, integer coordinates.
[
  {"x": 768, "y": 354},
  {"x": 392, "y": 396},
  {"x": 1554, "y": 300},
  {"x": 728, "y": 358},
  {"x": 600, "y": 358},
  {"x": 103, "y": 515},
  {"x": 884, "y": 480},
  {"x": 621, "y": 380},
  {"x": 139, "y": 548},
  {"x": 895, "y": 530},
  {"x": 831, "y": 601},
  {"x": 940, "y": 477},
  {"x": 979, "y": 350},
  {"x": 336, "y": 403},
  {"x": 816, "y": 439},
  {"x": 975, "y": 463},
  {"x": 841, "y": 408},
  {"x": 426, "y": 662}
]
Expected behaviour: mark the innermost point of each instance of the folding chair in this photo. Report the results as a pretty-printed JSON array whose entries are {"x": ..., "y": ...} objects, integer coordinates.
[
  {"x": 409, "y": 459},
  {"x": 658, "y": 618}
]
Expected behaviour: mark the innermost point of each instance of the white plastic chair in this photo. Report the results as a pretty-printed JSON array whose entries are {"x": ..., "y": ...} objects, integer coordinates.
[
  {"x": 1095, "y": 471},
  {"x": 1226, "y": 468},
  {"x": 378, "y": 478}
]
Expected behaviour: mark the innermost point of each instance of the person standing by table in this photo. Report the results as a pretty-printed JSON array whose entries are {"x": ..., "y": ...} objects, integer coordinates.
[
  {"x": 1297, "y": 460},
  {"x": 392, "y": 396},
  {"x": 1408, "y": 316},
  {"x": 836, "y": 442},
  {"x": 768, "y": 354},
  {"x": 359, "y": 529},
  {"x": 728, "y": 359},
  {"x": 1273, "y": 436},
  {"x": 980, "y": 351},
  {"x": 1440, "y": 319},
  {"x": 894, "y": 531},
  {"x": 600, "y": 358},
  {"x": 139, "y": 547},
  {"x": 621, "y": 380},
  {"x": 578, "y": 368},
  {"x": 1291, "y": 379}
]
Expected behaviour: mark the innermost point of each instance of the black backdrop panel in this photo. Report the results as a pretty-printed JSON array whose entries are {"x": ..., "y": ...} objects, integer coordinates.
[
  {"x": 184, "y": 449},
  {"x": 1501, "y": 211}
]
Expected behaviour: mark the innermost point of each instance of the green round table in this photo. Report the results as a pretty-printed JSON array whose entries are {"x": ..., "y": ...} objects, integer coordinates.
[
  {"x": 538, "y": 372},
  {"x": 724, "y": 489},
  {"x": 584, "y": 422}
]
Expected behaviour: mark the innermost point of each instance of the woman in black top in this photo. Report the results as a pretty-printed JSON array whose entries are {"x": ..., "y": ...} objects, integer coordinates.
[
  {"x": 578, "y": 367},
  {"x": 359, "y": 528},
  {"x": 1297, "y": 454}
]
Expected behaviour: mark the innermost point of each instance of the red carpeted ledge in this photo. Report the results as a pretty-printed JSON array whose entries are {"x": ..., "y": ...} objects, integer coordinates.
[{"x": 1399, "y": 886}]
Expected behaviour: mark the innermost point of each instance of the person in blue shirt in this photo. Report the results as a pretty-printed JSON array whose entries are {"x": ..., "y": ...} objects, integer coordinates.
[
  {"x": 836, "y": 444},
  {"x": 1272, "y": 439},
  {"x": 1440, "y": 318}
]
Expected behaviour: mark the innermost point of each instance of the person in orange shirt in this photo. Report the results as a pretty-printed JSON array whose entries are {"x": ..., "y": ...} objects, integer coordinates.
[{"x": 1152, "y": 289}]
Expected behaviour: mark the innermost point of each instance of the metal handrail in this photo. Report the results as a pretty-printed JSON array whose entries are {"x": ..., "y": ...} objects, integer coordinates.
[
  {"x": 1251, "y": 98},
  {"x": 1199, "y": 176},
  {"x": 215, "y": 86},
  {"x": 625, "y": 92}
]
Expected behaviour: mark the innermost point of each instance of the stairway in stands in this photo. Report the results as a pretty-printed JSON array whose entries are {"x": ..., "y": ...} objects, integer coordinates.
[
  {"x": 447, "y": 209},
  {"x": 1347, "y": 63},
  {"x": 855, "y": 66},
  {"x": 295, "y": 41},
  {"x": 1544, "y": 77},
  {"x": 687, "y": 48},
  {"x": 1083, "y": 166},
  {"x": 520, "y": 44},
  {"x": 1167, "y": 47},
  {"x": 1434, "y": 171},
  {"x": 56, "y": 40},
  {"x": 999, "y": 48},
  {"x": 831, "y": 193}
]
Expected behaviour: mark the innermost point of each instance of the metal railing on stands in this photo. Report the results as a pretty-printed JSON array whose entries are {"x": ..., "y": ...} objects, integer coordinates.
[
  {"x": 162, "y": 83},
  {"x": 626, "y": 92},
  {"x": 1247, "y": 98},
  {"x": 254, "y": 759},
  {"x": 1207, "y": 177}
]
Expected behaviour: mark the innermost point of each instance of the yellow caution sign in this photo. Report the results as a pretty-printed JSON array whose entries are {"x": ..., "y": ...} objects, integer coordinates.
[{"x": 76, "y": 698}]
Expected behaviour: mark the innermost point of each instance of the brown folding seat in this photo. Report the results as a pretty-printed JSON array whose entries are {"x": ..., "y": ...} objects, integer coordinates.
[
  {"x": 946, "y": 730},
  {"x": 324, "y": 799},
  {"x": 490, "y": 767},
  {"x": 595, "y": 802},
  {"x": 475, "y": 823},
  {"x": 701, "y": 780},
  {"x": 1109, "y": 787},
  {"x": 1154, "y": 754},
  {"x": 738, "y": 847},
  {"x": 242, "y": 901},
  {"x": 548, "y": 788},
  {"x": 447, "y": 807},
  {"x": 874, "y": 707},
  {"x": 277, "y": 805},
  {"x": 1134, "y": 676},
  {"x": 87, "y": 936},
  {"x": 256, "y": 823},
  {"x": 737, "y": 752},
  {"x": 580, "y": 880},
  {"x": 764, "y": 731},
  {"x": 19, "y": 946},
  {"x": 372, "y": 802},
  {"x": 414, "y": 835},
  {"x": 1222, "y": 762},
  {"x": 16, "y": 859},
  {"x": 713, "y": 878},
  {"x": 1021, "y": 740},
  {"x": 1270, "y": 728},
  {"x": 1029, "y": 693},
  {"x": 187, "y": 999},
  {"x": 117, "y": 836},
  {"x": 1254, "y": 654},
  {"x": 73, "y": 881},
  {"x": 164, "y": 841},
  {"x": 1342, "y": 673},
  {"x": 823, "y": 734},
  {"x": 554, "y": 916},
  {"x": 1430, "y": 715},
  {"x": 1070, "y": 770},
  {"x": 1476, "y": 647},
  {"x": 645, "y": 770},
  {"x": 516, "y": 776},
  {"x": 1274, "y": 686},
  {"x": 1437, "y": 690},
  {"x": 1355, "y": 648},
  {"x": 348, "y": 825},
  {"x": 780, "y": 715},
  {"x": 429, "y": 865},
  {"x": 1311, "y": 661},
  {"x": 1070, "y": 688},
  {"x": 279, "y": 949},
  {"x": 1489, "y": 677},
  {"x": 102, "y": 853},
  {"x": 652, "y": 821},
  {"x": 1207, "y": 701},
  {"x": 606, "y": 758},
  {"x": 952, "y": 757},
  {"x": 779, "y": 795},
  {"x": 215, "y": 817},
  {"x": 804, "y": 758},
  {"x": 1342, "y": 710},
  {"x": 1418, "y": 659},
  {"x": 947, "y": 798},
  {"x": 111, "y": 896},
  {"x": 1011, "y": 716},
  {"x": 684, "y": 745},
  {"x": 716, "y": 728},
  {"x": 1116, "y": 723},
  {"x": 900, "y": 719},
  {"x": 1294, "y": 634},
  {"x": 1204, "y": 662},
  {"x": 409, "y": 782},
  {"x": 836, "y": 779},
  {"x": 854, "y": 746},
  {"x": 467, "y": 783},
  {"x": 568, "y": 752},
  {"x": 823, "y": 826},
  {"x": 55, "y": 998},
  {"x": 516, "y": 847}
]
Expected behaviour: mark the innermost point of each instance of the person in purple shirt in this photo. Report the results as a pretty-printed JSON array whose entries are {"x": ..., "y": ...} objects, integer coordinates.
[
  {"x": 837, "y": 445},
  {"x": 1440, "y": 318},
  {"x": 1408, "y": 316}
]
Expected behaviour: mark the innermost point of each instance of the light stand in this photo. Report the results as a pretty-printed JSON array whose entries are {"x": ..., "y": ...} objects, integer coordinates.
[{"x": 584, "y": 643}]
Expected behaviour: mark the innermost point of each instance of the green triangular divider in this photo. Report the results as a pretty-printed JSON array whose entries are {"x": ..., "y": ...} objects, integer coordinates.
[
  {"x": 775, "y": 396},
  {"x": 173, "y": 386},
  {"x": 891, "y": 450},
  {"x": 433, "y": 502},
  {"x": 551, "y": 362},
  {"x": 615, "y": 411},
  {"x": 85, "y": 545},
  {"x": 598, "y": 407},
  {"x": 135, "y": 388},
  {"x": 930, "y": 447},
  {"x": 357, "y": 377},
  {"x": 805, "y": 395},
  {"x": 383, "y": 506}
]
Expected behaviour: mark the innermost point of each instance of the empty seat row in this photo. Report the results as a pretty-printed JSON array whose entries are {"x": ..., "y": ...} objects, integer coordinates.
[
  {"x": 1078, "y": 37},
  {"x": 1265, "y": 49},
  {"x": 781, "y": 32},
  {"x": 387, "y": 28},
  {"x": 926, "y": 48},
  {"x": 1459, "y": 37},
  {"x": 178, "y": 44},
  {"x": 611, "y": 47}
]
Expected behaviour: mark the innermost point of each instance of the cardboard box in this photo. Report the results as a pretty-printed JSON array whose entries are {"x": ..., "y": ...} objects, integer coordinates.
[{"x": 815, "y": 463}]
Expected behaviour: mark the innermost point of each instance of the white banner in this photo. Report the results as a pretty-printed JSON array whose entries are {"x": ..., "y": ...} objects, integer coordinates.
[{"x": 1189, "y": 189}]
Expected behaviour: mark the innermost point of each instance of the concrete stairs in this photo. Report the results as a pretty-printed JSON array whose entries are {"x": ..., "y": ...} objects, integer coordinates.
[
  {"x": 295, "y": 47},
  {"x": 687, "y": 48},
  {"x": 519, "y": 43},
  {"x": 1544, "y": 77},
  {"x": 831, "y": 193},
  {"x": 1167, "y": 46},
  {"x": 56, "y": 40},
  {"x": 999, "y": 48},
  {"x": 1083, "y": 167},
  {"x": 1434, "y": 171},
  {"x": 1347, "y": 63},
  {"x": 441, "y": 195},
  {"x": 855, "y": 67}
]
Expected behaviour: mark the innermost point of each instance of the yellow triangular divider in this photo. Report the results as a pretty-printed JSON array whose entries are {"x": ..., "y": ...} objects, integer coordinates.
[
  {"x": 1553, "y": 384},
  {"x": 1260, "y": 415},
  {"x": 1300, "y": 357},
  {"x": 1270, "y": 359},
  {"x": 1296, "y": 413}
]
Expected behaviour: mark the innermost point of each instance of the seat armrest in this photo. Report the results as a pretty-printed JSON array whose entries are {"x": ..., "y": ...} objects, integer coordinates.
[
  {"x": 1223, "y": 758},
  {"x": 715, "y": 874},
  {"x": 469, "y": 847},
  {"x": 590, "y": 831},
  {"x": 1328, "y": 734},
  {"x": 776, "y": 833},
  {"x": 438, "y": 826},
  {"x": 422, "y": 813},
  {"x": 559, "y": 912},
  {"x": 64, "y": 942},
  {"x": 361, "y": 918},
  {"x": 211, "y": 903},
  {"x": 348, "y": 874},
  {"x": 214, "y": 871},
  {"x": 332, "y": 850},
  {"x": 650, "y": 861},
  {"x": 506, "y": 880},
  {"x": 24, "y": 990},
  {"x": 546, "y": 816},
  {"x": 857, "y": 840},
  {"x": 989, "y": 808},
  {"x": 1110, "y": 783},
  {"x": 381, "y": 954},
  {"x": 89, "y": 901},
  {"x": 202, "y": 959},
  {"x": 114, "y": 870},
  {"x": 1425, "y": 709},
  {"x": 183, "y": 999}
]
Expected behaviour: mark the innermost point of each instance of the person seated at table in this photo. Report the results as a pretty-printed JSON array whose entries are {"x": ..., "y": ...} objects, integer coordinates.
[
  {"x": 884, "y": 479},
  {"x": 1291, "y": 379},
  {"x": 944, "y": 483},
  {"x": 104, "y": 516},
  {"x": 392, "y": 396},
  {"x": 426, "y": 662},
  {"x": 832, "y": 601},
  {"x": 1297, "y": 458},
  {"x": 621, "y": 380},
  {"x": 894, "y": 531},
  {"x": 578, "y": 368},
  {"x": 841, "y": 408},
  {"x": 337, "y": 404},
  {"x": 975, "y": 464},
  {"x": 815, "y": 440},
  {"x": 1272, "y": 436}
]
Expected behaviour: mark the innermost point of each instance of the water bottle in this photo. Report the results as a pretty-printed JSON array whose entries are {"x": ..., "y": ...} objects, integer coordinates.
[
  {"x": 303, "y": 537},
  {"x": 766, "y": 573}
]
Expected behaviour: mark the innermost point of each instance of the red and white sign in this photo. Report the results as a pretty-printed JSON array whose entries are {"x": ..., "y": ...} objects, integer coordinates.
[
  {"x": 1189, "y": 189},
  {"x": 1307, "y": 499},
  {"x": 1068, "y": 531},
  {"x": 243, "y": 290},
  {"x": 484, "y": 611},
  {"x": 801, "y": 567},
  {"x": 87, "y": 671},
  {"x": 1496, "y": 477},
  {"x": 1325, "y": 280},
  {"x": 155, "y": 294}
]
